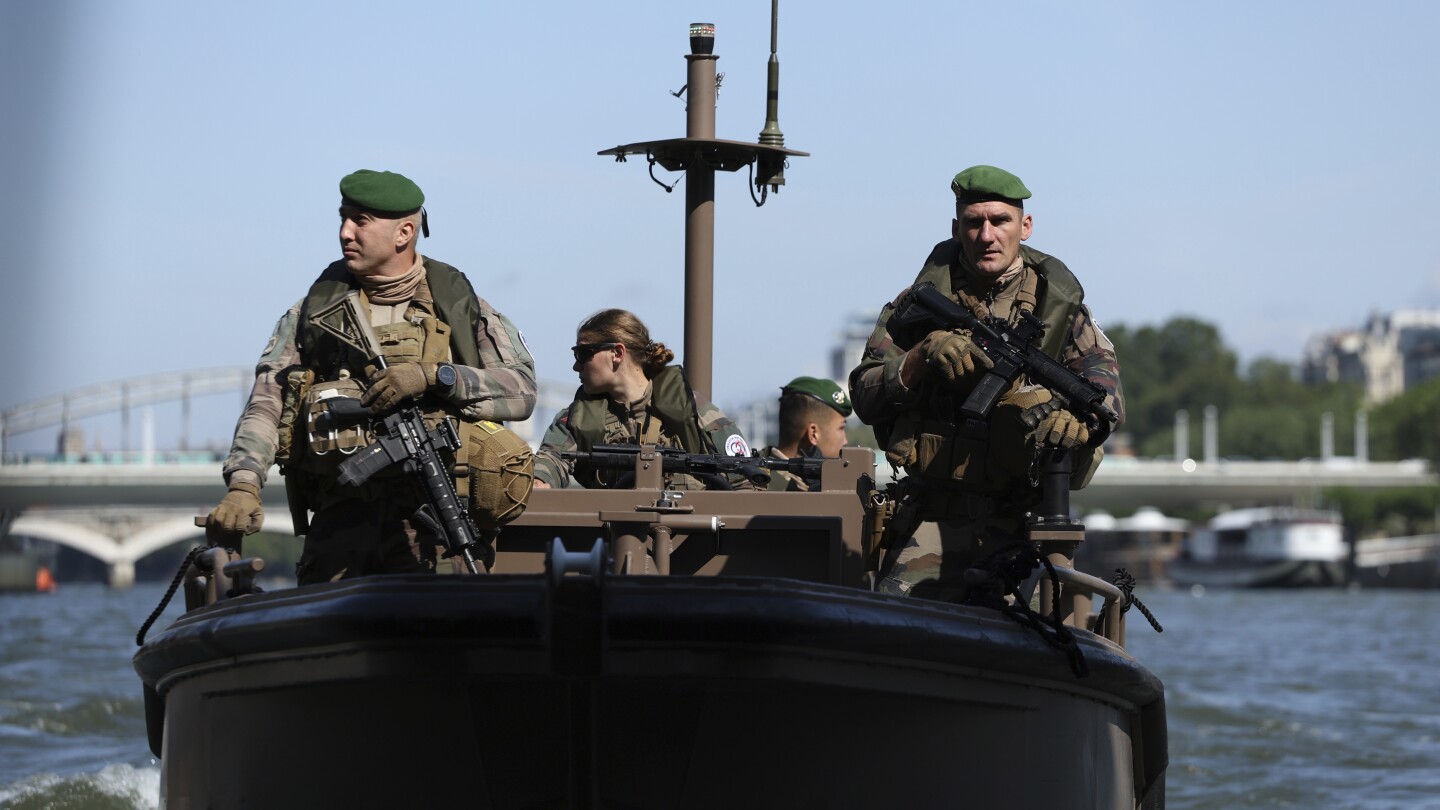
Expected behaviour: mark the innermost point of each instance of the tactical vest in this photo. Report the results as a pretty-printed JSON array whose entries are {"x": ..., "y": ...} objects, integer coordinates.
[
  {"x": 1058, "y": 294},
  {"x": 455, "y": 304},
  {"x": 672, "y": 403},
  {"x": 332, "y": 368},
  {"x": 945, "y": 451}
]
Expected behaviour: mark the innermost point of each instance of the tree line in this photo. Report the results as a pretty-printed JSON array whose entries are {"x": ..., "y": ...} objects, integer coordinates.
[{"x": 1265, "y": 411}]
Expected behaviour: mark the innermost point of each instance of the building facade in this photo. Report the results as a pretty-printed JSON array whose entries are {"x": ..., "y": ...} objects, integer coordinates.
[{"x": 1390, "y": 354}]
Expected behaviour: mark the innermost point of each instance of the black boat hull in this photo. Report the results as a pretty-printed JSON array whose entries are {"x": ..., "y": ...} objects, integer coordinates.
[{"x": 637, "y": 692}]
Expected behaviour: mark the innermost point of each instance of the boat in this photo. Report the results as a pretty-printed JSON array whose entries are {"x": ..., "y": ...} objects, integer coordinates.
[
  {"x": 1143, "y": 544},
  {"x": 646, "y": 648},
  {"x": 1267, "y": 546},
  {"x": 1398, "y": 562},
  {"x": 761, "y": 672}
]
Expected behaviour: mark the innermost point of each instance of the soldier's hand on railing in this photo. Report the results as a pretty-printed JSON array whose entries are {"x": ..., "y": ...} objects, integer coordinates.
[
  {"x": 394, "y": 384},
  {"x": 239, "y": 510}
]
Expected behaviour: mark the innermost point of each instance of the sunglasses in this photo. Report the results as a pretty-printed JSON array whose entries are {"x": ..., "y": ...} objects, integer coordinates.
[{"x": 584, "y": 351}]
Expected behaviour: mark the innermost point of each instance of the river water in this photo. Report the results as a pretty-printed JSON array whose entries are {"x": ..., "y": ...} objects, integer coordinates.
[{"x": 1318, "y": 699}]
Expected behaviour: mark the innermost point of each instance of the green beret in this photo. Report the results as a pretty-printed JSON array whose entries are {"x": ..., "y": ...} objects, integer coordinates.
[
  {"x": 981, "y": 183},
  {"x": 823, "y": 390},
  {"x": 381, "y": 192}
]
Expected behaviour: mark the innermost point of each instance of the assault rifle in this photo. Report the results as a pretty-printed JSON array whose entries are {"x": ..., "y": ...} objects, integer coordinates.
[
  {"x": 1012, "y": 349},
  {"x": 401, "y": 438},
  {"x": 711, "y": 468}
]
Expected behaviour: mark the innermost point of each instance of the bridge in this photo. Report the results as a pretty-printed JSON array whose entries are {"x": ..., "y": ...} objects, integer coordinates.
[
  {"x": 120, "y": 513},
  {"x": 123, "y": 397},
  {"x": 121, "y": 507}
]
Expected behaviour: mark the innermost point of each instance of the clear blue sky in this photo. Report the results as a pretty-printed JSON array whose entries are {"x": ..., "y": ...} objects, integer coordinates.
[{"x": 170, "y": 168}]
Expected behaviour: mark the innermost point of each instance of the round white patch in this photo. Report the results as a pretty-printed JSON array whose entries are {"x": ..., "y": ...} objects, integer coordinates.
[{"x": 736, "y": 446}]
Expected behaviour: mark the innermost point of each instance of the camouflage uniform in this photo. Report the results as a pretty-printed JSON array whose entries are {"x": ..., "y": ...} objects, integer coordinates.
[
  {"x": 964, "y": 519},
  {"x": 629, "y": 425},
  {"x": 369, "y": 531}
]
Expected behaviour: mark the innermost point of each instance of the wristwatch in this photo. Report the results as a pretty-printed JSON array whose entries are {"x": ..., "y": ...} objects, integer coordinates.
[{"x": 445, "y": 374}]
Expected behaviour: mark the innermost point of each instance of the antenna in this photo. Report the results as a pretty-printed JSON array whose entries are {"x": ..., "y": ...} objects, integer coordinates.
[
  {"x": 771, "y": 168},
  {"x": 700, "y": 155}
]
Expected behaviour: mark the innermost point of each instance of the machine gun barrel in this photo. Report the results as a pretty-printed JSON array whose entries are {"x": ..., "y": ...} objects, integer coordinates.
[{"x": 713, "y": 466}]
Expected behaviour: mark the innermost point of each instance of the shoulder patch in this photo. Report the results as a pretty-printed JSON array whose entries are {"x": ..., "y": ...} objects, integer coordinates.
[{"x": 736, "y": 446}]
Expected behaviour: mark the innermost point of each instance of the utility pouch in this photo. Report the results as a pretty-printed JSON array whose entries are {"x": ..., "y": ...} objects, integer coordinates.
[
  {"x": 295, "y": 384},
  {"x": 497, "y": 473},
  {"x": 332, "y": 443},
  {"x": 945, "y": 452}
]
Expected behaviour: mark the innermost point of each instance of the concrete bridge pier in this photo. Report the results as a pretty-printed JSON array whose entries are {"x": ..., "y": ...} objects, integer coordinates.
[
  {"x": 120, "y": 537},
  {"x": 122, "y": 573}
]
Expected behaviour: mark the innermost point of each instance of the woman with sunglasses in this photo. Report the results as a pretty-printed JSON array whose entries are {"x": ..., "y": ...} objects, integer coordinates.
[{"x": 629, "y": 394}]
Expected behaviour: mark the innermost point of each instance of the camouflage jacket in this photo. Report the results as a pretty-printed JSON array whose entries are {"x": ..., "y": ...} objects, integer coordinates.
[
  {"x": 627, "y": 425},
  {"x": 501, "y": 388},
  {"x": 879, "y": 396}
]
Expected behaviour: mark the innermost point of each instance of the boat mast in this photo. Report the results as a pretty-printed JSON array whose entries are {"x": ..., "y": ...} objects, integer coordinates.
[
  {"x": 700, "y": 211},
  {"x": 700, "y": 154}
]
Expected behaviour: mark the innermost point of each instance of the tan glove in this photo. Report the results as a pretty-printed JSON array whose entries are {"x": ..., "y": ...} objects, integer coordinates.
[
  {"x": 397, "y": 383},
  {"x": 953, "y": 355},
  {"x": 1061, "y": 429},
  {"x": 239, "y": 510}
]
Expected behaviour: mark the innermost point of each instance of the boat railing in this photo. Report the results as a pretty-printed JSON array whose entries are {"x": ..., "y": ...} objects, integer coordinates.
[{"x": 1077, "y": 596}]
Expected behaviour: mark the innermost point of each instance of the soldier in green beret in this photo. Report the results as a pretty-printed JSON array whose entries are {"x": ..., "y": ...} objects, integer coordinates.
[
  {"x": 812, "y": 425},
  {"x": 970, "y": 490},
  {"x": 446, "y": 349}
]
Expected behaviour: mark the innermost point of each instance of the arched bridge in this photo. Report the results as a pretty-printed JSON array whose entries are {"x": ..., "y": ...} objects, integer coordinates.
[
  {"x": 95, "y": 535},
  {"x": 118, "y": 507},
  {"x": 122, "y": 396}
]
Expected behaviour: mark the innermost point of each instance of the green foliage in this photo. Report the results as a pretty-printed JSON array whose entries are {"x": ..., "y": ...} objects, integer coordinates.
[
  {"x": 1268, "y": 431},
  {"x": 1181, "y": 365},
  {"x": 1266, "y": 413},
  {"x": 279, "y": 551},
  {"x": 1409, "y": 425},
  {"x": 1393, "y": 512}
]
